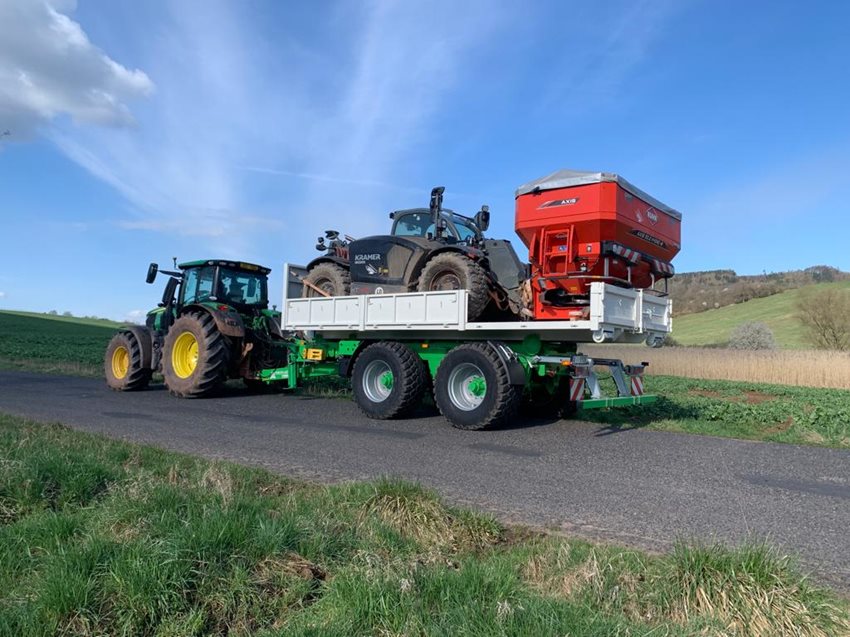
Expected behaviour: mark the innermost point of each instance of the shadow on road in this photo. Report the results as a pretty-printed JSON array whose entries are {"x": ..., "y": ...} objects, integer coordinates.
[{"x": 620, "y": 420}]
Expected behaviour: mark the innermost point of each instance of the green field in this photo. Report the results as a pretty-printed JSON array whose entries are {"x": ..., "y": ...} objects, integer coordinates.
[
  {"x": 712, "y": 327},
  {"x": 39, "y": 342},
  {"x": 100, "y": 537}
]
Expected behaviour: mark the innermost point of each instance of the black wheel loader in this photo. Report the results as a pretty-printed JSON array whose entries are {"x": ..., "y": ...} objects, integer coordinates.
[{"x": 428, "y": 249}]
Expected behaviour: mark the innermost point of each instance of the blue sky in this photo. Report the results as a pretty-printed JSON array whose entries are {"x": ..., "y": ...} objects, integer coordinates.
[{"x": 142, "y": 131}]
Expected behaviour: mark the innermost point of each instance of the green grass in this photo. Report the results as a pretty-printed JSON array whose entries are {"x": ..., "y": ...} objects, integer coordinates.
[
  {"x": 100, "y": 537},
  {"x": 713, "y": 327},
  {"x": 751, "y": 411},
  {"x": 44, "y": 343}
]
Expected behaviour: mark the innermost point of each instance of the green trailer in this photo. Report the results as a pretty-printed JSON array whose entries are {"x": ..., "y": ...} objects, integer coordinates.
[{"x": 396, "y": 348}]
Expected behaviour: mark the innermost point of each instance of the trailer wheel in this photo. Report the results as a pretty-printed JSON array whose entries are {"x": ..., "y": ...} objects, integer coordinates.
[
  {"x": 473, "y": 388},
  {"x": 194, "y": 357},
  {"x": 122, "y": 364},
  {"x": 388, "y": 380}
]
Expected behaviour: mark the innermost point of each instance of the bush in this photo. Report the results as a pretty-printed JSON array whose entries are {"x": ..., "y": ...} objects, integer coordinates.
[
  {"x": 753, "y": 336},
  {"x": 826, "y": 316}
]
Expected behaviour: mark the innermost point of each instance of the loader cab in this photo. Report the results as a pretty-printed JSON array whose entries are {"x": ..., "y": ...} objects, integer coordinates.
[{"x": 419, "y": 222}]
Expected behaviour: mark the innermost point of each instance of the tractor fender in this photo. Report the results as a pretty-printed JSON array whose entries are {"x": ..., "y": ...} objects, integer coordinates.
[
  {"x": 228, "y": 321},
  {"x": 143, "y": 336},
  {"x": 328, "y": 259},
  {"x": 428, "y": 255}
]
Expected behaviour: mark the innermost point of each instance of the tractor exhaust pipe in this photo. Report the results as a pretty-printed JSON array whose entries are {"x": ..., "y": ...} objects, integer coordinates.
[{"x": 437, "y": 208}]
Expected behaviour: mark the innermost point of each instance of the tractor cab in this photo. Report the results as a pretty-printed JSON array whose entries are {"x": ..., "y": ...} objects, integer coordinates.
[{"x": 243, "y": 286}]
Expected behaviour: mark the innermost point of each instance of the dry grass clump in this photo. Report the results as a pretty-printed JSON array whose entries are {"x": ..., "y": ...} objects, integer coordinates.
[
  {"x": 747, "y": 592},
  {"x": 419, "y": 514},
  {"x": 805, "y": 368}
]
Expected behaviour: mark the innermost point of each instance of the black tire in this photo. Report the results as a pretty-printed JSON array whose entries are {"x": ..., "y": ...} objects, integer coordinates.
[
  {"x": 457, "y": 399},
  {"x": 408, "y": 380},
  {"x": 453, "y": 271},
  {"x": 329, "y": 277},
  {"x": 209, "y": 373},
  {"x": 122, "y": 364}
]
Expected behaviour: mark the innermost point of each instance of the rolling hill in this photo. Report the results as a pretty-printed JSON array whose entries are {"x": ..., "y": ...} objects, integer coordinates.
[
  {"x": 713, "y": 326},
  {"x": 702, "y": 291}
]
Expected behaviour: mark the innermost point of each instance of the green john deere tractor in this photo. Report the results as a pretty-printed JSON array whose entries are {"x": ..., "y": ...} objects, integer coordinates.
[{"x": 213, "y": 323}]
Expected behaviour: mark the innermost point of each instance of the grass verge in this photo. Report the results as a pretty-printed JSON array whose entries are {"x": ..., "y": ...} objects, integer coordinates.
[
  {"x": 749, "y": 411},
  {"x": 99, "y": 537}
]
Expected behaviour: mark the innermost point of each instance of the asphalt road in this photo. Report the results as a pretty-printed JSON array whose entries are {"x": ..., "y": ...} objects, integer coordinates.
[{"x": 635, "y": 487}]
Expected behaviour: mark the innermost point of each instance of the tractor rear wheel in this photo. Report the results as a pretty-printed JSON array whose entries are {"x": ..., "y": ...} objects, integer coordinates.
[
  {"x": 195, "y": 357},
  {"x": 122, "y": 364},
  {"x": 473, "y": 389},
  {"x": 453, "y": 271},
  {"x": 388, "y": 380},
  {"x": 331, "y": 278}
]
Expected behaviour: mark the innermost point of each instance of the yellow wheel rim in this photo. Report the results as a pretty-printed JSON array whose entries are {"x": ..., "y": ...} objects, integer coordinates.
[
  {"x": 120, "y": 362},
  {"x": 184, "y": 355}
]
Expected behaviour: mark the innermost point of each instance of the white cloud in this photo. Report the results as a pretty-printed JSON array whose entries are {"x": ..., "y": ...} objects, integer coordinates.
[
  {"x": 2, "y": 295},
  {"x": 134, "y": 316},
  {"x": 48, "y": 67}
]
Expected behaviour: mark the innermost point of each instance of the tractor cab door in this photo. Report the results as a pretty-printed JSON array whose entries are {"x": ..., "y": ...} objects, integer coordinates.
[{"x": 197, "y": 285}]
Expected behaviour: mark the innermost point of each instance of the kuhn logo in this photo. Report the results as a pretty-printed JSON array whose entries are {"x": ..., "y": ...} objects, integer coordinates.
[{"x": 652, "y": 216}]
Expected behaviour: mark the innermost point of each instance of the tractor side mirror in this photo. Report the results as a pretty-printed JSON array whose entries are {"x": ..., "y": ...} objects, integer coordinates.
[
  {"x": 153, "y": 268},
  {"x": 392, "y": 215},
  {"x": 169, "y": 291},
  {"x": 482, "y": 218}
]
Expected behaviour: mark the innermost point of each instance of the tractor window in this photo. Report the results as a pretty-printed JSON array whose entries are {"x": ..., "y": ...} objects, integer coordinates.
[
  {"x": 465, "y": 231},
  {"x": 242, "y": 288},
  {"x": 419, "y": 224},
  {"x": 416, "y": 224},
  {"x": 197, "y": 284}
]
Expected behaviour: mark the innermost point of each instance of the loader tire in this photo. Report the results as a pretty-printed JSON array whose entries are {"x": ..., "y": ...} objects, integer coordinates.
[
  {"x": 329, "y": 277},
  {"x": 473, "y": 388},
  {"x": 388, "y": 380},
  {"x": 195, "y": 357},
  {"x": 452, "y": 271},
  {"x": 122, "y": 364}
]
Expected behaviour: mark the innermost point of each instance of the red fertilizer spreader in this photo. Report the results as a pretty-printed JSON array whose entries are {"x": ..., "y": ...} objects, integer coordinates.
[{"x": 582, "y": 227}]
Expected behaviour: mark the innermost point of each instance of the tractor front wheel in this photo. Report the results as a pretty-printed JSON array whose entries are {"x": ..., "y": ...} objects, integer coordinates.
[
  {"x": 122, "y": 364},
  {"x": 195, "y": 357},
  {"x": 330, "y": 278},
  {"x": 453, "y": 271}
]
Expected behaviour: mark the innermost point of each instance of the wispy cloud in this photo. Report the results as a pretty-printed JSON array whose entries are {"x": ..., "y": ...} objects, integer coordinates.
[
  {"x": 242, "y": 141},
  {"x": 615, "y": 38},
  {"x": 234, "y": 113}
]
